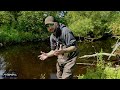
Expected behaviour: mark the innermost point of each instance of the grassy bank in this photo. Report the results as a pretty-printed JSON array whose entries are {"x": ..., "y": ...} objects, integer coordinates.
[{"x": 102, "y": 71}]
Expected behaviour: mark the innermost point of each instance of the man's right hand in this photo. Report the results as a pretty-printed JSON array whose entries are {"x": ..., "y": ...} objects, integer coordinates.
[{"x": 43, "y": 56}]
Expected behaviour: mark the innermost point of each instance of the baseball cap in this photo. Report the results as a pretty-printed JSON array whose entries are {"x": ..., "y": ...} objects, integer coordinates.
[{"x": 49, "y": 19}]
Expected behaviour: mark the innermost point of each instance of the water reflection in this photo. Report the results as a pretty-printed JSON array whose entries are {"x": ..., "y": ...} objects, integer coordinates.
[
  {"x": 2, "y": 66},
  {"x": 6, "y": 73},
  {"x": 53, "y": 76},
  {"x": 23, "y": 61}
]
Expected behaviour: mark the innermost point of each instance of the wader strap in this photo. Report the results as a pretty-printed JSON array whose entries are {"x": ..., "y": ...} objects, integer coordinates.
[{"x": 61, "y": 66}]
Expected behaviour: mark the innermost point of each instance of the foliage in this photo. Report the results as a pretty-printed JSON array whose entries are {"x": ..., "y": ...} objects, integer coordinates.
[
  {"x": 102, "y": 71},
  {"x": 115, "y": 25},
  {"x": 82, "y": 27},
  {"x": 81, "y": 22},
  {"x": 4, "y": 18},
  {"x": 22, "y": 26},
  {"x": 14, "y": 36},
  {"x": 30, "y": 21}
]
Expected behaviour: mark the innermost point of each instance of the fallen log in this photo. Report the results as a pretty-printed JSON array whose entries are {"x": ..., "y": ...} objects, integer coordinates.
[
  {"x": 93, "y": 55},
  {"x": 85, "y": 64}
]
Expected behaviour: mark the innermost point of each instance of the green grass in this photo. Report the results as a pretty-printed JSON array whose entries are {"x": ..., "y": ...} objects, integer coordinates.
[{"x": 101, "y": 71}]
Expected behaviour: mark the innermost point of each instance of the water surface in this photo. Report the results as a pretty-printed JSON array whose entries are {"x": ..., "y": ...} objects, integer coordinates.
[{"x": 22, "y": 59}]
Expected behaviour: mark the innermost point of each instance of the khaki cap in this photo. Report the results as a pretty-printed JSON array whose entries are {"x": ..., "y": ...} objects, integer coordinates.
[{"x": 49, "y": 19}]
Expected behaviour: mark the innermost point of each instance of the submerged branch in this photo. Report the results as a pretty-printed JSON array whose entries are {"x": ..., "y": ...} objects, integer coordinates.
[{"x": 93, "y": 55}]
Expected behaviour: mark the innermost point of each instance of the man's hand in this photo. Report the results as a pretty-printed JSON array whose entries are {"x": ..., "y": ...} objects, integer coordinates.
[
  {"x": 43, "y": 56},
  {"x": 58, "y": 52}
]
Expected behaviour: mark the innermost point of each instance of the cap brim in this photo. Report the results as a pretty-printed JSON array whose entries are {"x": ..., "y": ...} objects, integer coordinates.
[{"x": 48, "y": 22}]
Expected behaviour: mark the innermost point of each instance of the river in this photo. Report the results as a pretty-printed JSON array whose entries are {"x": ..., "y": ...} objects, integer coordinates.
[{"x": 21, "y": 61}]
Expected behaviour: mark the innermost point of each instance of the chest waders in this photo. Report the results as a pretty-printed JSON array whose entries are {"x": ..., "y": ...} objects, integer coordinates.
[{"x": 66, "y": 55}]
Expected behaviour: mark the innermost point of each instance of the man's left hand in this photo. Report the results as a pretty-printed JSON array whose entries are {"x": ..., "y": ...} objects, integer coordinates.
[{"x": 58, "y": 52}]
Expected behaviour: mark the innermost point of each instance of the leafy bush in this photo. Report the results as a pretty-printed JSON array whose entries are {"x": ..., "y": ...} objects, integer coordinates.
[
  {"x": 82, "y": 26},
  {"x": 115, "y": 25},
  {"x": 81, "y": 22},
  {"x": 4, "y": 18},
  {"x": 30, "y": 21}
]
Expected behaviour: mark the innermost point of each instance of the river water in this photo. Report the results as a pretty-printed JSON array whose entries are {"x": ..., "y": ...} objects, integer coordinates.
[{"x": 21, "y": 61}]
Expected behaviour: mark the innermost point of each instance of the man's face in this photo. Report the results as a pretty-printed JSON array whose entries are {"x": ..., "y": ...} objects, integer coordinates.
[{"x": 50, "y": 27}]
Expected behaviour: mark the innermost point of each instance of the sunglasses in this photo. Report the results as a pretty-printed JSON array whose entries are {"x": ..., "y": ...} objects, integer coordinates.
[{"x": 49, "y": 25}]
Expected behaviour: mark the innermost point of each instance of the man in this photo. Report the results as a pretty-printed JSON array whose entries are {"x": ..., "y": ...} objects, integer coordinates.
[{"x": 63, "y": 45}]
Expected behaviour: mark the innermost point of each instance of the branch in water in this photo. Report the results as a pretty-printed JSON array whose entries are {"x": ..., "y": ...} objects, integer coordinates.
[
  {"x": 85, "y": 64},
  {"x": 93, "y": 55},
  {"x": 116, "y": 46}
]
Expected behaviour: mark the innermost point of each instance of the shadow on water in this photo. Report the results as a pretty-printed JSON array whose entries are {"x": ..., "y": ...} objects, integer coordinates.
[{"x": 21, "y": 61}]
